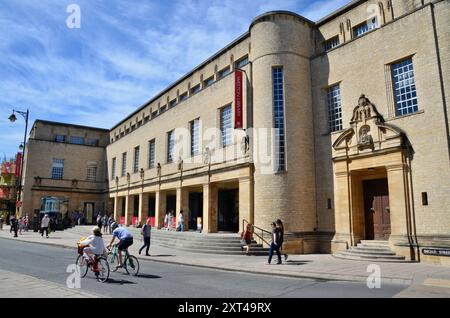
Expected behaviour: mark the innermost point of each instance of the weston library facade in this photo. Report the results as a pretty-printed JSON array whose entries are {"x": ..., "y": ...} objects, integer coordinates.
[{"x": 338, "y": 127}]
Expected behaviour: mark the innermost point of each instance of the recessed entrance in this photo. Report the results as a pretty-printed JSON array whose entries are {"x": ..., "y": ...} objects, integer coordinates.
[
  {"x": 376, "y": 209},
  {"x": 195, "y": 209},
  {"x": 228, "y": 210}
]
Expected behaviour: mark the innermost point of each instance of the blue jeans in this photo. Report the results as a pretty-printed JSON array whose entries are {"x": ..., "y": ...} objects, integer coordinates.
[{"x": 276, "y": 248}]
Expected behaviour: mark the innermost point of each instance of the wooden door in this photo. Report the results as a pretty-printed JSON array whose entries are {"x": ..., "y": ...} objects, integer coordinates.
[{"x": 376, "y": 208}]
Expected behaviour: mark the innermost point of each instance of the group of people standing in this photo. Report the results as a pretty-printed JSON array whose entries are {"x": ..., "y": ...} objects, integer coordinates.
[
  {"x": 169, "y": 218},
  {"x": 18, "y": 225},
  {"x": 104, "y": 222}
]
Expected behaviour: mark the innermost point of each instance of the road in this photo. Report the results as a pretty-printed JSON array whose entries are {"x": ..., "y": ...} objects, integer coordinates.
[{"x": 161, "y": 280}]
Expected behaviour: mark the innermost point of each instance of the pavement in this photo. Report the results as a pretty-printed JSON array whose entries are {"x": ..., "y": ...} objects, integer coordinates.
[
  {"x": 425, "y": 280},
  {"x": 32, "y": 287}
]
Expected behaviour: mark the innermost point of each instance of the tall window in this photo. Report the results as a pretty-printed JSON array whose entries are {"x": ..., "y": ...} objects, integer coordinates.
[
  {"x": 226, "y": 125},
  {"x": 124, "y": 164},
  {"x": 365, "y": 27},
  {"x": 334, "y": 108},
  {"x": 113, "y": 168},
  {"x": 278, "y": 112},
  {"x": 76, "y": 140},
  {"x": 91, "y": 172},
  {"x": 404, "y": 88},
  {"x": 170, "y": 145},
  {"x": 151, "y": 154},
  {"x": 136, "y": 159},
  {"x": 195, "y": 136},
  {"x": 58, "y": 169}
]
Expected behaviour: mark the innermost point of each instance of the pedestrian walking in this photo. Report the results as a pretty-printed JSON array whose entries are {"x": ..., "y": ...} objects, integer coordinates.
[
  {"x": 1, "y": 223},
  {"x": 280, "y": 227},
  {"x": 105, "y": 223},
  {"x": 110, "y": 222},
  {"x": 275, "y": 244},
  {"x": 246, "y": 239},
  {"x": 99, "y": 221},
  {"x": 21, "y": 225},
  {"x": 44, "y": 225},
  {"x": 146, "y": 234},
  {"x": 180, "y": 227},
  {"x": 167, "y": 220},
  {"x": 14, "y": 225}
]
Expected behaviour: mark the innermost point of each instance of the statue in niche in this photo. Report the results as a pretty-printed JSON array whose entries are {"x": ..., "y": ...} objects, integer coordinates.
[
  {"x": 207, "y": 156},
  {"x": 245, "y": 144},
  {"x": 365, "y": 138}
]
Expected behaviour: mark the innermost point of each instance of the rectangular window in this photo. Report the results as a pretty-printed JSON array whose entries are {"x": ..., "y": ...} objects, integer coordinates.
[
  {"x": 183, "y": 97},
  {"x": 224, "y": 72},
  {"x": 60, "y": 138},
  {"x": 334, "y": 108},
  {"x": 208, "y": 81},
  {"x": 163, "y": 109},
  {"x": 154, "y": 114},
  {"x": 195, "y": 137},
  {"x": 404, "y": 88},
  {"x": 173, "y": 103},
  {"x": 151, "y": 154},
  {"x": 242, "y": 62},
  {"x": 124, "y": 164},
  {"x": 226, "y": 125},
  {"x": 92, "y": 142},
  {"x": 365, "y": 27},
  {"x": 76, "y": 140},
  {"x": 136, "y": 159},
  {"x": 113, "y": 168},
  {"x": 331, "y": 43},
  {"x": 170, "y": 146},
  {"x": 195, "y": 89},
  {"x": 91, "y": 173},
  {"x": 278, "y": 111},
  {"x": 57, "y": 169}
]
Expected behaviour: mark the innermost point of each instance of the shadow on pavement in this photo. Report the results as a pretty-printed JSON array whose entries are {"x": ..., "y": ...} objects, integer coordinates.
[
  {"x": 296, "y": 262},
  {"x": 148, "y": 276}
]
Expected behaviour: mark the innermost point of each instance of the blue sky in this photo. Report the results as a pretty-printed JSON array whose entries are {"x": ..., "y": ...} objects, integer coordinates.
[{"x": 124, "y": 53}]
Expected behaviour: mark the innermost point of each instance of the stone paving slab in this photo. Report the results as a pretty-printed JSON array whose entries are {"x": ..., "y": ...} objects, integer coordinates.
[
  {"x": 14, "y": 285},
  {"x": 324, "y": 267}
]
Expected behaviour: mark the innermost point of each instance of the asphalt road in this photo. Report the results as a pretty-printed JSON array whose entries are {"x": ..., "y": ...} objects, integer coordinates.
[{"x": 161, "y": 280}]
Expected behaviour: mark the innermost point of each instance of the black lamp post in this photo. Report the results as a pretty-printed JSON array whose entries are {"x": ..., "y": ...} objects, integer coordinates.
[{"x": 12, "y": 119}]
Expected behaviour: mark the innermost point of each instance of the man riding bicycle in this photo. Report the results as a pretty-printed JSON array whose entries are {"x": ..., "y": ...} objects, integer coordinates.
[{"x": 125, "y": 240}]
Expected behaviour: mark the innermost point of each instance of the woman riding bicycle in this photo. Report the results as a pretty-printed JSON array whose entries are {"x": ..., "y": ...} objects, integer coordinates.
[{"x": 94, "y": 243}]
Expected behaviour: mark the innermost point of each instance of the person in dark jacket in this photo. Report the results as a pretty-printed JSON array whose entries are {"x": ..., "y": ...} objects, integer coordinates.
[
  {"x": 280, "y": 226},
  {"x": 275, "y": 245}
]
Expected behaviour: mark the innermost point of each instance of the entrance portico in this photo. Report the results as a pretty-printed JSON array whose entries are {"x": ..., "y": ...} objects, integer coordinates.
[{"x": 371, "y": 189}]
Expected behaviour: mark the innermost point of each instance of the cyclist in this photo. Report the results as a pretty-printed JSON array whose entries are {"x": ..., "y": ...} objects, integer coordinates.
[
  {"x": 125, "y": 240},
  {"x": 94, "y": 243}
]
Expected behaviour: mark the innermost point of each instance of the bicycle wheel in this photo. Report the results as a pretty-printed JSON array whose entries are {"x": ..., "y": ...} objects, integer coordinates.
[
  {"x": 103, "y": 270},
  {"x": 82, "y": 265},
  {"x": 113, "y": 259},
  {"x": 132, "y": 265}
]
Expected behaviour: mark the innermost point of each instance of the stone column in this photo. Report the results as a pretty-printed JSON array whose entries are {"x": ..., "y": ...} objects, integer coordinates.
[
  {"x": 129, "y": 207},
  {"x": 143, "y": 207},
  {"x": 210, "y": 201},
  {"x": 245, "y": 202},
  {"x": 116, "y": 210},
  {"x": 397, "y": 201},
  {"x": 183, "y": 204},
  {"x": 160, "y": 208}
]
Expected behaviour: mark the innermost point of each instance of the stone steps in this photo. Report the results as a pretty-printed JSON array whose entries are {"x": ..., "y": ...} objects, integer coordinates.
[
  {"x": 217, "y": 243},
  {"x": 378, "y": 251}
]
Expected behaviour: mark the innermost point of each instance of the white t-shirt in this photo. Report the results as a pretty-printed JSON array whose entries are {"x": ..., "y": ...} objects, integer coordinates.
[
  {"x": 97, "y": 244},
  {"x": 45, "y": 221}
]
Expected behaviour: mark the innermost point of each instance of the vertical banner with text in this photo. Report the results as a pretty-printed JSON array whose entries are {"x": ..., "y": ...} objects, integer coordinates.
[
  {"x": 238, "y": 108},
  {"x": 18, "y": 163}
]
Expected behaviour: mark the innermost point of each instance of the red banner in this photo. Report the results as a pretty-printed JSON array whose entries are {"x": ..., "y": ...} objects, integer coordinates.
[
  {"x": 238, "y": 108},
  {"x": 18, "y": 163}
]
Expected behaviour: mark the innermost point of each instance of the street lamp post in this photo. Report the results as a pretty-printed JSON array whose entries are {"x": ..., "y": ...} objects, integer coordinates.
[{"x": 13, "y": 118}]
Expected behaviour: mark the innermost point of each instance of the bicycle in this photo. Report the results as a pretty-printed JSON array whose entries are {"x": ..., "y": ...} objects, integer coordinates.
[
  {"x": 98, "y": 265},
  {"x": 130, "y": 262}
]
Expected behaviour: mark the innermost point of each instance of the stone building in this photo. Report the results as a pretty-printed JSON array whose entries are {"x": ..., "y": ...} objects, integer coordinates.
[
  {"x": 343, "y": 133},
  {"x": 64, "y": 170}
]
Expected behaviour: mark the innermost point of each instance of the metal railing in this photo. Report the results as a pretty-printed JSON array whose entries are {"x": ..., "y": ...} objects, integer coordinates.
[{"x": 258, "y": 232}]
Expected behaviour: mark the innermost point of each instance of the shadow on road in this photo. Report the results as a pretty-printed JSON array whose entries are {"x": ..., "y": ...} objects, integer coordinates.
[
  {"x": 297, "y": 262},
  {"x": 148, "y": 276},
  {"x": 120, "y": 282}
]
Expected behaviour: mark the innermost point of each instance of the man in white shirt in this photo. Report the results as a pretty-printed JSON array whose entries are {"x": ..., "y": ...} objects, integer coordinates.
[{"x": 44, "y": 225}]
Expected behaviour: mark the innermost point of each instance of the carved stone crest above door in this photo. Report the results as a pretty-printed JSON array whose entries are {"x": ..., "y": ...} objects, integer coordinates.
[{"x": 368, "y": 132}]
